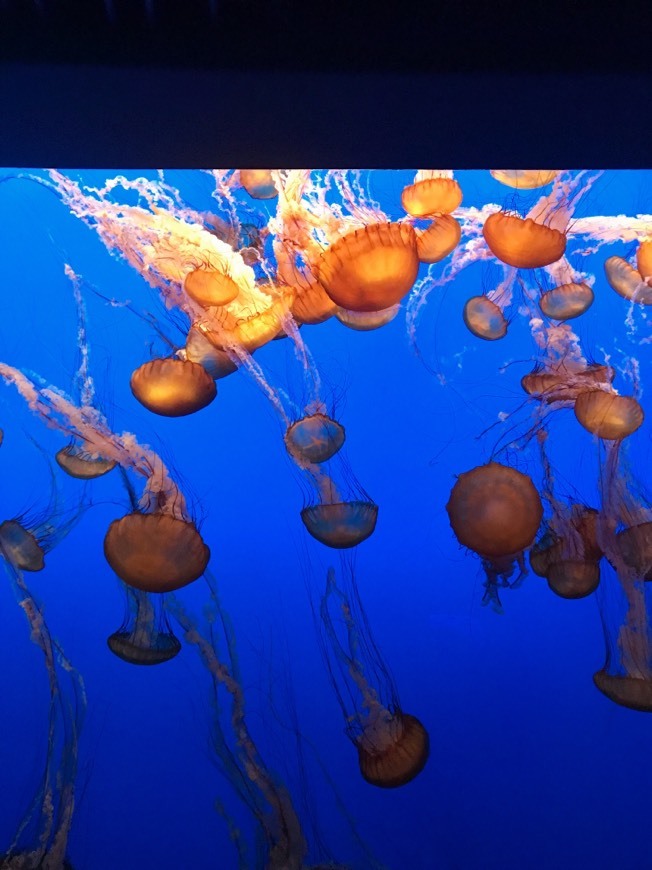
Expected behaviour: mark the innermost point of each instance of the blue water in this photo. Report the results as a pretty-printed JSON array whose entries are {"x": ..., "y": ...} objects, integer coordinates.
[{"x": 530, "y": 766}]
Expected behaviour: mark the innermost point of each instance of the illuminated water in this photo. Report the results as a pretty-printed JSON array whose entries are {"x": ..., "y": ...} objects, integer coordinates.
[{"x": 530, "y": 765}]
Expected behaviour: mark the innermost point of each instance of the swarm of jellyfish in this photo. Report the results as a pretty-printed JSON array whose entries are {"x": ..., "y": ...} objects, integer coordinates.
[{"x": 280, "y": 252}]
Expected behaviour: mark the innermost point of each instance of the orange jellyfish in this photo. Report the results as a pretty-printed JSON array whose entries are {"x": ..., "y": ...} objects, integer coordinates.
[
  {"x": 522, "y": 242},
  {"x": 627, "y": 281},
  {"x": 393, "y": 746},
  {"x": 524, "y": 179},
  {"x": 315, "y": 438},
  {"x": 371, "y": 268},
  {"x": 495, "y": 511},
  {"x": 156, "y": 548},
  {"x": 484, "y": 318},
  {"x": 173, "y": 387},
  {"x": 23, "y": 546},
  {"x": 365, "y": 321},
  {"x": 568, "y": 555},
  {"x": 433, "y": 192},
  {"x": 565, "y": 381},
  {"x": 608, "y": 415},
  {"x": 258, "y": 183},
  {"x": 439, "y": 239}
]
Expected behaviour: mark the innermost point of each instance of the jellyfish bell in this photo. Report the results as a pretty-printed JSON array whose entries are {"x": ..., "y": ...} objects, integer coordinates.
[
  {"x": 625, "y": 690},
  {"x": 438, "y": 240},
  {"x": 366, "y": 321},
  {"x": 155, "y": 552},
  {"x": 341, "y": 525},
  {"x": 524, "y": 179},
  {"x": 393, "y": 752},
  {"x": 494, "y": 510},
  {"x": 210, "y": 288},
  {"x": 564, "y": 383},
  {"x": 258, "y": 183},
  {"x": 371, "y": 268},
  {"x": 608, "y": 415},
  {"x": 566, "y": 301},
  {"x": 573, "y": 579},
  {"x": 200, "y": 350},
  {"x": 627, "y": 281},
  {"x": 315, "y": 438},
  {"x": 173, "y": 387},
  {"x": 132, "y": 650},
  {"x": 484, "y": 319},
  {"x": 431, "y": 196},
  {"x": 522, "y": 242},
  {"x": 20, "y": 547},
  {"x": 76, "y": 462}
]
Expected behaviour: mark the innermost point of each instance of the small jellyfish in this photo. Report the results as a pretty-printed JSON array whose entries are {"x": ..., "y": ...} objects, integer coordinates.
[
  {"x": 210, "y": 287},
  {"x": 200, "y": 350},
  {"x": 495, "y": 511},
  {"x": 608, "y": 415},
  {"x": 524, "y": 179},
  {"x": 627, "y": 281},
  {"x": 372, "y": 268},
  {"x": 565, "y": 381},
  {"x": 567, "y": 301},
  {"x": 439, "y": 239},
  {"x": 484, "y": 318},
  {"x": 173, "y": 387},
  {"x": 145, "y": 636},
  {"x": 431, "y": 193},
  {"x": 341, "y": 524},
  {"x": 315, "y": 438},
  {"x": 393, "y": 746},
  {"x": 569, "y": 557},
  {"x": 258, "y": 183}
]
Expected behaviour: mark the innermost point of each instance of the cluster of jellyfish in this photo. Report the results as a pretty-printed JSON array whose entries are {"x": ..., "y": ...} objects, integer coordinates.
[{"x": 241, "y": 277}]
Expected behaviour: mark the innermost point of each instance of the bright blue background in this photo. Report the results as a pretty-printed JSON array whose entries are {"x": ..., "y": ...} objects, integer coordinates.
[{"x": 530, "y": 766}]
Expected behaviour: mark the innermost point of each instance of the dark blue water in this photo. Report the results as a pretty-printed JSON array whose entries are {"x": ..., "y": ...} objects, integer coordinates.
[{"x": 530, "y": 766}]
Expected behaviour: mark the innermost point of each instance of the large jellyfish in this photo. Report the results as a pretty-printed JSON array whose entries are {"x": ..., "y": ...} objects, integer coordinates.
[
  {"x": 156, "y": 548},
  {"x": 392, "y": 745},
  {"x": 41, "y": 840},
  {"x": 496, "y": 511}
]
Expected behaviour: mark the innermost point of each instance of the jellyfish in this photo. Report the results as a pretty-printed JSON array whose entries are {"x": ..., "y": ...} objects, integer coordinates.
[
  {"x": 145, "y": 636},
  {"x": 434, "y": 192},
  {"x": 484, "y": 318},
  {"x": 524, "y": 179},
  {"x": 438, "y": 239},
  {"x": 566, "y": 301},
  {"x": 627, "y": 281},
  {"x": 41, "y": 839},
  {"x": 173, "y": 387},
  {"x": 496, "y": 511},
  {"x": 365, "y": 321},
  {"x": 393, "y": 746},
  {"x": 156, "y": 548},
  {"x": 259, "y": 183},
  {"x": 608, "y": 415}
]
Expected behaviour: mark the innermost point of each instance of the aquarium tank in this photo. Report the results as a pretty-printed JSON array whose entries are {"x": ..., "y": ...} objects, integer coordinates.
[{"x": 326, "y": 530}]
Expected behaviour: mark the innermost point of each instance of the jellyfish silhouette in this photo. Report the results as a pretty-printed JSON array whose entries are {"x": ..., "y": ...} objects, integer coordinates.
[
  {"x": 41, "y": 839},
  {"x": 393, "y": 746}
]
